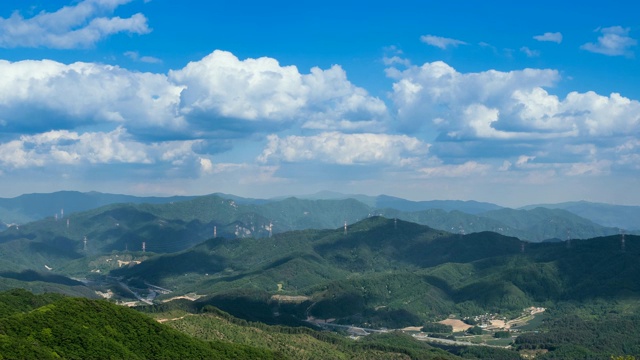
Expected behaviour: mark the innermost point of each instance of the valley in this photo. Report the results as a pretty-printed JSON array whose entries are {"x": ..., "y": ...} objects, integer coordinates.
[{"x": 294, "y": 263}]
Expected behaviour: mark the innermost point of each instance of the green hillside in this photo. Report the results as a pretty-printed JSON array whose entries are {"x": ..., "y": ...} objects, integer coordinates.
[
  {"x": 175, "y": 226},
  {"x": 296, "y": 343},
  {"x": 539, "y": 224},
  {"x": 393, "y": 273},
  {"x": 380, "y": 273},
  {"x": 31, "y": 207},
  {"x": 50, "y": 327},
  {"x": 620, "y": 216}
]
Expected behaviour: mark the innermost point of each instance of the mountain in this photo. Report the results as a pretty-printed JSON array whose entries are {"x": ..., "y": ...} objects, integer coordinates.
[
  {"x": 175, "y": 226},
  {"x": 469, "y": 207},
  {"x": 31, "y": 207},
  {"x": 195, "y": 217},
  {"x": 393, "y": 273},
  {"x": 378, "y": 272},
  {"x": 541, "y": 224},
  {"x": 390, "y": 202},
  {"x": 51, "y": 327},
  {"x": 620, "y": 216}
]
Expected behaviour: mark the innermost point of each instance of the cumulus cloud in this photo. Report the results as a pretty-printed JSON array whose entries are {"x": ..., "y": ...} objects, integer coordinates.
[
  {"x": 506, "y": 105},
  {"x": 65, "y": 147},
  {"x": 40, "y": 95},
  {"x": 614, "y": 41},
  {"x": 555, "y": 37},
  {"x": 441, "y": 42},
  {"x": 511, "y": 121},
  {"x": 81, "y": 25},
  {"x": 218, "y": 98},
  {"x": 69, "y": 148},
  {"x": 259, "y": 90},
  {"x": 436, "y": 96},
  {"x": 345, "y": 149}
]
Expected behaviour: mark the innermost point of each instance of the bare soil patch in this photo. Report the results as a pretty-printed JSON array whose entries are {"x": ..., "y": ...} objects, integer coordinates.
[{"x": 457, "y": 325}]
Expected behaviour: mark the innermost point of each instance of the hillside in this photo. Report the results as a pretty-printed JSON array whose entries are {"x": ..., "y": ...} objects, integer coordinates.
[
  {"x": 51, "y": 327},
  {"x": 380, "y": 273},
  {"x": 620, "y": 216},
  {"x": 209, "y": 323},
  {"x": 169, "y": 227},
  {"x": 393, "y": 273},
  {"x": 540, "y": 224},
  {"x": 31, "y": 207}
]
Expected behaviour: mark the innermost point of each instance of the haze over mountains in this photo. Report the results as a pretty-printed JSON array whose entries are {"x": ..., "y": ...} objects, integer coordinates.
[{"x": 533, "y": 223}]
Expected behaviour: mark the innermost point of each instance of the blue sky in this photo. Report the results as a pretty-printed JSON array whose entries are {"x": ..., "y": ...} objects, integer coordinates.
[{"x": 505, "y": 102}]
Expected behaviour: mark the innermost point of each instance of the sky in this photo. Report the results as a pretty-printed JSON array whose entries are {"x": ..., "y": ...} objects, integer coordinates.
[{"x": 496, "y": 101}]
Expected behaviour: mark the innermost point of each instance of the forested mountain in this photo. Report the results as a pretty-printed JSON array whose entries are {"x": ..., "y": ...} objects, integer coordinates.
[
  {"x": 54, "y": 327},
  {"x": 468, "y": 216},
  {"x": 31, "y": 207},
  {"x": 620, "y": 216},
  {"x": 388, "y": 272},
  {"x": 51, "y": 326},
  {"x": 175, "y": 226},
  {"x": 386, "y": 201},
  {"x": 378, "y": 272}
]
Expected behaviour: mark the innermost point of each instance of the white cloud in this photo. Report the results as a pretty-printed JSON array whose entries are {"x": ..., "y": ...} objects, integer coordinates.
[
  {"x": 615, "y": 41},
  {"x": 593, "y": 168},
  {"x": 395, "y": 60},
  {"x": 555, "y": 37},
  {"x": 38, "y": 95},
  {"x": 206, "y": 166},
  {"x": 135, "y": 56},
  {"x": 436, "y": 96},
  {"x": 346, "y": 149},
  {"x": 506, "y": 105},
  {"x": 529, "y": 52},
  {"x": 62, "y": 147},
  {"x": 222, "y": 86},
  {"x": 470, "y": 168},
  {"x": 219, "y": 96},
  {"x": 441, "y": 42},
  {"x": 75, "y": 26}
]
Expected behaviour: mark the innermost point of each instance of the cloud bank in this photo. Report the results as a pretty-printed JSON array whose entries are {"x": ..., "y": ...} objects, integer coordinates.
[{"x": 232, "y": 121}]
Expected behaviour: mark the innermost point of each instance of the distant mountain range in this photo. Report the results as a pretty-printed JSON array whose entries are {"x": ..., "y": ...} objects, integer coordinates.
[
  {"x": 164, "y": 225},
  {"x": 381, "y": 266},
  {"x": 31, "y": 207},
  {"x": 620, "y": 216}
]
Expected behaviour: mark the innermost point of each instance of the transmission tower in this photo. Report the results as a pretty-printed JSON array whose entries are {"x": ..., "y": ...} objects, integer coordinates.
[
  {"x": 345, "y": 227},
  {"x": 144, "y": 246},
  {"x": 85, "y": 243},
  {"x": 622, "y": 244}
]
